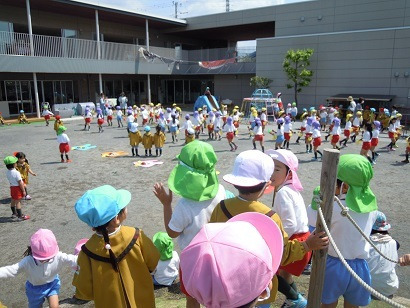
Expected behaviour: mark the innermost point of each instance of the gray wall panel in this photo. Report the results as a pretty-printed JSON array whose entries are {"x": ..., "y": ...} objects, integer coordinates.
[{"x": 227, "y": 86}]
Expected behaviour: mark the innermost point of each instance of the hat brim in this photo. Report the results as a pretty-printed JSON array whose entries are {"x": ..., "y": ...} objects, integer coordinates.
[
  {"x": 385, "y": 228},
  {"x": 269, "y": 231},
  {"x": 47, "y": 257},
  {"x": 241, "y": 181},
  {"x": 123, "y": 198}
]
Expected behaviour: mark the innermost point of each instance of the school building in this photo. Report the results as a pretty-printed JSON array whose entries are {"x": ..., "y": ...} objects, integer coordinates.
[{"x": 69, "y": 51}]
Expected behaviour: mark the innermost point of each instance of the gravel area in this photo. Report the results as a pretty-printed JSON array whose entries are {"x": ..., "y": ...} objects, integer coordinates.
[{"x": 57, "y": 186}]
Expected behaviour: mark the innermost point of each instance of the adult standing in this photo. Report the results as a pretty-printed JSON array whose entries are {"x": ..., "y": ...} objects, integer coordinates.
[
  {"x": 123, "y": 100},
  {"x": 101, "y": 103},
  {"x": 352, "y": 104}
]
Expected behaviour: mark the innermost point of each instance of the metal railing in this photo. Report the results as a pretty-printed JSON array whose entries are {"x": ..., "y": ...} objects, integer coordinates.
[{"x": 18, "y": 44}]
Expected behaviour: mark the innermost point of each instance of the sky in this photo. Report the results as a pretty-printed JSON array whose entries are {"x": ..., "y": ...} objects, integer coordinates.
[{"x": 188, "y": 8}]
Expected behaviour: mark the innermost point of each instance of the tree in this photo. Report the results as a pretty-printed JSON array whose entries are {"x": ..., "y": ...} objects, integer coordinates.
[
  {"x": 296, "y": 65},
  {"x": 260, "y": 82}
]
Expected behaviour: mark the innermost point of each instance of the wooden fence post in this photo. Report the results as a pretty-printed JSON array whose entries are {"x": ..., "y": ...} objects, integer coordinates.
[{"x": 327, "y": 193}]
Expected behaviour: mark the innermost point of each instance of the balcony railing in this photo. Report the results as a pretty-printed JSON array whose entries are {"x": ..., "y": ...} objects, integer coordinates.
[{"x": 18, "y": 44}]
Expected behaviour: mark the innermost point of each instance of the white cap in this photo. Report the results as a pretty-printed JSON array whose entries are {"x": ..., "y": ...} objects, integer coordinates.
[
  {"x": 134, "y": 127},
  {"x": 251, "y": 168}
]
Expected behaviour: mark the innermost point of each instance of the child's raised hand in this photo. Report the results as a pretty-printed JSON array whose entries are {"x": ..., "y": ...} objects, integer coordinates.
[
  {"x": 317, "y": 241},
  {"x": 405, "y": 260},
  {"x": 164, "y": 197}
]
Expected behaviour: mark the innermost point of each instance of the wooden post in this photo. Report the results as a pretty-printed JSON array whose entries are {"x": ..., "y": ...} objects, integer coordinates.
[{"x": 327, "y": 193}]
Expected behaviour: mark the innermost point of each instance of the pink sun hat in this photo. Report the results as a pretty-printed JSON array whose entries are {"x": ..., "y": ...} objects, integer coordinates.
[
  {"x": 289, "y": 159},
  {"x": 230, "y": 264},
  {"x": 80, "y": 244},
  {"x": 43, "y": 245}
]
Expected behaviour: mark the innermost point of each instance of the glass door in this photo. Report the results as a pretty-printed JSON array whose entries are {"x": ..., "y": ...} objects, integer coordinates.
[{"x": 24, "y": 96}]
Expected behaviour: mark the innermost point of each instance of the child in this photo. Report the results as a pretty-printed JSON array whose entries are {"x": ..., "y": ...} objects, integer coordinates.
[
  {"x": 251, "y": 175},
  {"x": 189, "y": 135},
  {"x": 323, "y": 117},
  {"x": 252, "y": 117},
  {"x": 130, "y": 119},
  {"x": 87, "y": 118},
  {"x": 357, "y": 123},
  {"x": 303, "y": 117},
  {"x": 289, "y": 110},
  {"x": 147, "y": 140},
  {"x": 119, "y": 116},
  {"x": 279, "y": 134},
  {"x": 174, "y": 126},
  {"x": 47, "y": 114},
  {"x": 347, "y": 130},
  {"x": 163, "y": 123},
  {"x": 289, "y": 205},
  {"x": 230, "y": 130},
  {"x": 109, "y": 116},
  {"x": 135, "y": 138},
  {"x": 17, "y": 190},
  {"x": 197, "y": 124},
  {"x": 309, "y": 133},
  {"x": 258, "y": 134},
  {"x": 399, "y": 128},
  {"x": 206, "y": 269},
  {"x": 264, "y": 118},
  {"x": 367, "y": 138},
  {"x": 235, "y": 118},
  {"x": 22, "y": 119},
  {"x": 168, "y": 116},
  {"x": 224, "y": 113},
  {"x": 406, "y": 161},
  {"x": 24, "y": 168},
  {"x": 375, "y": 140},
  {"x": 384, "y": 278},
  {"x": 335, "y": 133},
  {"x": 1, "y": 118},
  {"x": 218, "y": 126},
  {"x": 167, "y": 269},
  {"x": 294, "y": 111},
  {"x": 317, "y": 141},
  {"x": 354, "y": 173},
  {"x": 392, "y": 134},
  {"x": 210, "y": 126},
  {"x": 63, "y": 141},
  {"x": 114, "y": 265},
  {"x": 144, "y": 115},
  {"x": 287, "y": 131},
  {"x": 42, "y": 262},
  {"x": 57, "y": 123},
  {"x": 159, "y": 140},
  {"x": 100, "y": 120},
  {"x": 194, "y": 178}
]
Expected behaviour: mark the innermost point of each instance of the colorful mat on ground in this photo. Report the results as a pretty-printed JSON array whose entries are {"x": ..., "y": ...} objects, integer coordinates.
[
  {"x": 84, "y": 147},
  {"x": 114, "y": 154},
  {"x": 147, "y": 163}
]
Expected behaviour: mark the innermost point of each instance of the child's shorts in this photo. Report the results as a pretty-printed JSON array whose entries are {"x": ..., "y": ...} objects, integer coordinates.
[
  {"x": 258, "y": 138},
  {"x": 366, "y": 146},
  {"x": 391, "y": 135},
  {"x": 296, "y": 268},
  {"x": 322, "y": 121},
  {"x": 374, "y": 142},
  {"x": 109, "y": 118},
  {"x": 144, "y": 121},
  {"x": 87, "y": 120},
  {"x": 317, "y": 142},
  {"x": 279, "y": 138},
  {"x": 47, "y": 117},
  {"x": 37, "y": 294},
  {"x": 230, "y": 136},
  {"x": 335, "y": 138},
  {"x": 173, "y": 129},
  {"x": 210, "y": 128},
  {"x": 338, "y": 282},
  {"x": 236, "y": 124},
  {"x": 287, "y": 136},
  {"x": 16, "y": 193},
  {"x": 64, "y": 148},
  {"x": 346, "y": 132},
  {"x": 100, "y": 121}
]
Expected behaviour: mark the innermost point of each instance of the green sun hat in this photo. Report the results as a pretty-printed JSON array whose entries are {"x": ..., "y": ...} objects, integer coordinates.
[
  {"x": 9, "y": 160},
  {"x": 356, "y": 170},
  {"x": 164, "y": 244},
  {"x": 61, "y": 129},
  {"x": 314, "y": 204},
  {"x": 195, "y": 176}
]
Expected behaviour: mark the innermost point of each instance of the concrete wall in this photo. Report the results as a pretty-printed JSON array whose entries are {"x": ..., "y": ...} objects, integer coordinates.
[
  {"x": 356, "y": 62},
  {"x": 233, "y": 87}
]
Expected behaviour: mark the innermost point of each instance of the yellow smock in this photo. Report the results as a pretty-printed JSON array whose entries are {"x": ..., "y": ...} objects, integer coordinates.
[{"x": 159, "y": 139}]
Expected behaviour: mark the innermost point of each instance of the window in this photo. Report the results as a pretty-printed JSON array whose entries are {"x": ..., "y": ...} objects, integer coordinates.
[{"x": 68, "y": 33}]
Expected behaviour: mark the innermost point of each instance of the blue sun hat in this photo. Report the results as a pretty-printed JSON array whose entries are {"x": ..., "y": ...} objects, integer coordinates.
[
  {"x": 99, "y": 205},
  {"x": 381, "y": 223},
  {"x": 21, "y": 111},
  {"x": 147, "y": 128}
]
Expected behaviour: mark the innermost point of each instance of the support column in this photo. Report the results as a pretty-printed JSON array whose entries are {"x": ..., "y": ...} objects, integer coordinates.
[
  {"x": 148, "y": 76},
  {"x": 30, "y": 32},
  {"x": 97, "y": 31}
]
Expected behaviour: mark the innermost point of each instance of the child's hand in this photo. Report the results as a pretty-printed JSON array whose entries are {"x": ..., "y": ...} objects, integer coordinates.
[
  {"x": 405, "y": 260},
  {"x": 317, "y": 241},
  {"x": 164, "y": 197}
]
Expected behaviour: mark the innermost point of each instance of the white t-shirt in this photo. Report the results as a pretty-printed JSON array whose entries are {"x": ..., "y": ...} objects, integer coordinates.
[
  {"x": 350, "y": 242},
  {"x": 392, "y": 128},
  {"x": 109, "y": 112},
  {"x": 336, "y": 130},
  {"x": 366, "y": 136},
  {"x": 229, "y": 128},
  {"x": 47, "y": 112},
  {"x": 257, "y": 130},
  {"x": 263, "y": 116},
  {"x": 13, "y": 176},
  {"x": 189, "y": 216},
  {"x": 316, "y": 133},
  {"x": 280, "y": 131},
  {"x": 63, "y": 138},
  {"x": 187, "y": 124},
  {"x": 375, "y": 134},
  {"x": 356, "y": 121},
  {"x": 130, "y": 119},
  {"x": 291, "y": 209},
  {"x": 287, "y": 127},
  {"x": 352, "y": 105},
  {"x": 348, "y": 125},
  {"x": 174, "y": 124},
  {"x": 39, "y": 273},
  {"x": 145, "y": 114},
  {"x": 384, "y": 278},
  {"x": 167, "y": 271}
]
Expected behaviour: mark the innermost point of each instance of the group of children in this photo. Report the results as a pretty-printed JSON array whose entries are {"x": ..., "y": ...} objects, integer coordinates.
[{"x": 223, "y": 238}]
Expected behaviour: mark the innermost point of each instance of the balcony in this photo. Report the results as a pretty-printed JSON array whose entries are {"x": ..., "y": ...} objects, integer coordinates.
[{"x": 82, "y": 56}]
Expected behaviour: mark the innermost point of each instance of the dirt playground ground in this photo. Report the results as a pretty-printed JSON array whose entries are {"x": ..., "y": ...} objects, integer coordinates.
[{"x": 57, "y": 186}]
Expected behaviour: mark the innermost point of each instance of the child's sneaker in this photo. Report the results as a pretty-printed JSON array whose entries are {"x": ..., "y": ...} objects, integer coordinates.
[
  {"x": 68, "y": 161},
  {"x": 27, "y": 197},
  {"x": 301, "y": 302},
  {"x": 406, "y": 161},
  {"x": 23, "y": 217},
  {"x": 62, "y": 160}
]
